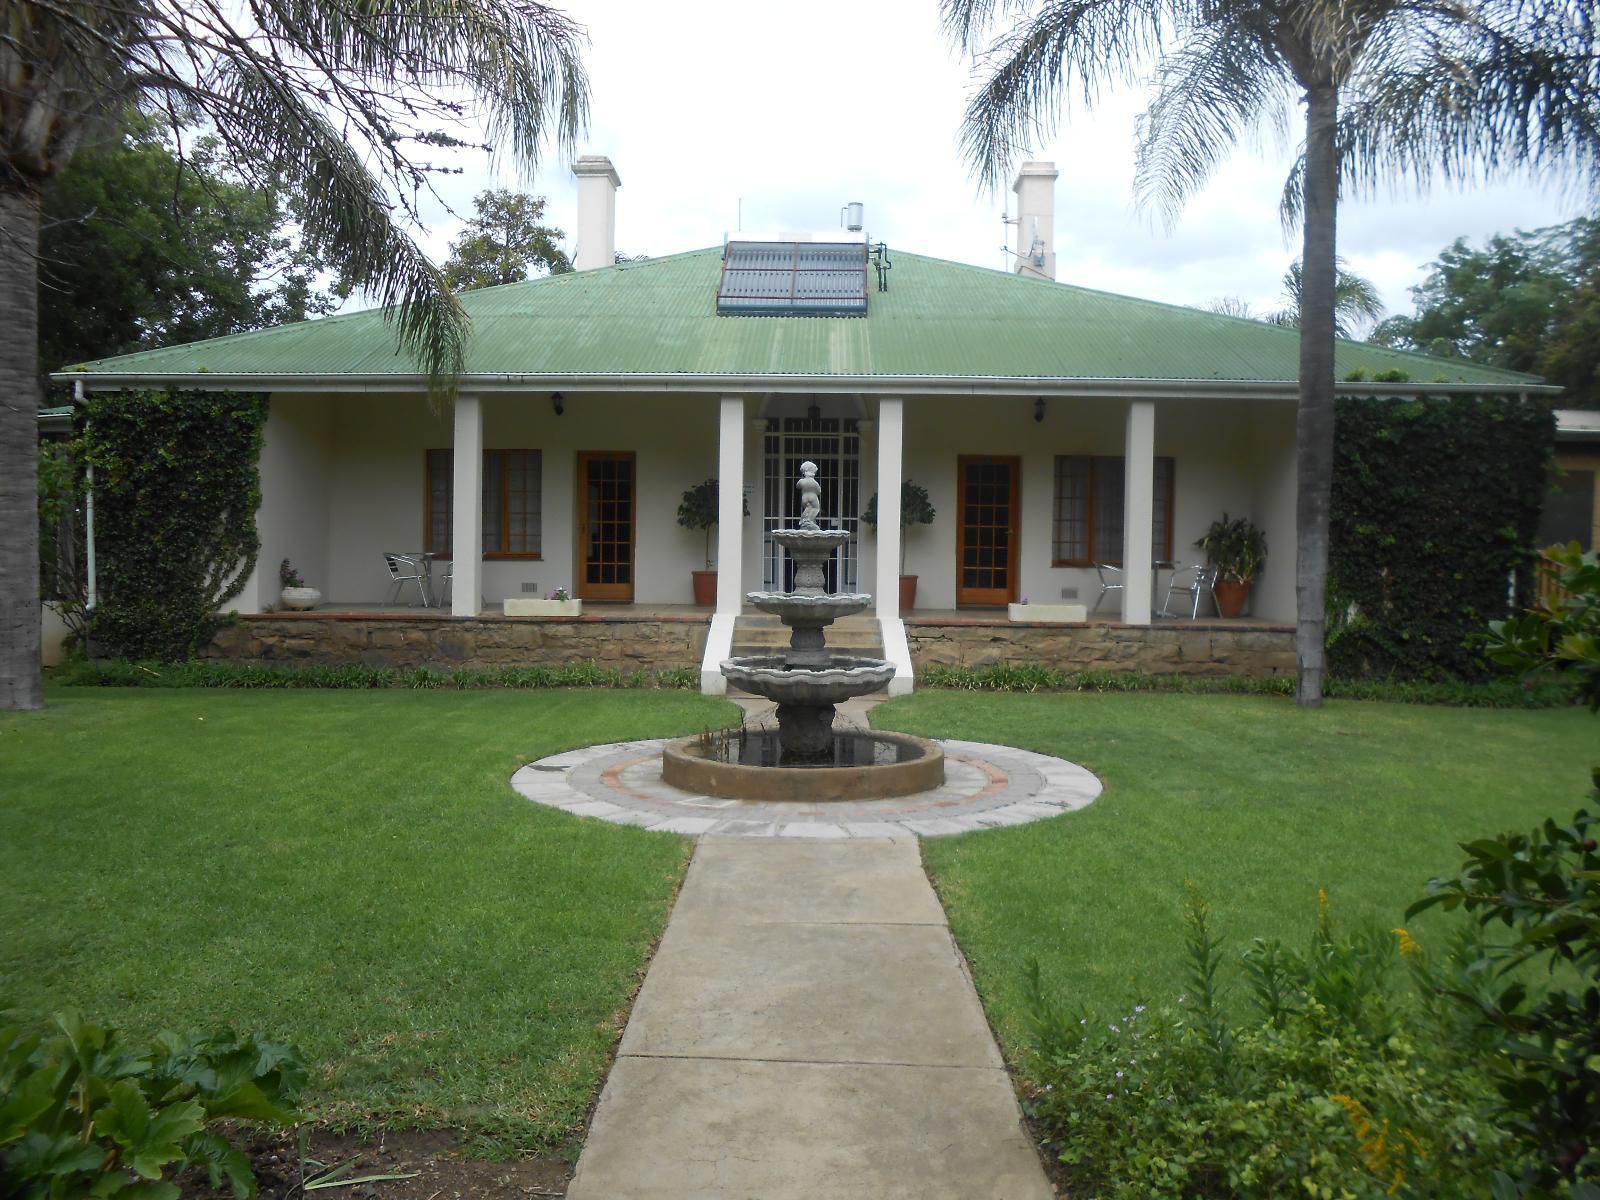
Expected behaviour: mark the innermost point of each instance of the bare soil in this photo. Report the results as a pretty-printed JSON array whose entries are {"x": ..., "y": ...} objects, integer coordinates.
[{"x": 432, "y": 1159}]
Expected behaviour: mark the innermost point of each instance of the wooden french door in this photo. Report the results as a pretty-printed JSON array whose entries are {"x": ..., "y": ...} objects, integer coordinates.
[
  {"x": 986, "y": 538},
  {"x": 607, "y": 493}
]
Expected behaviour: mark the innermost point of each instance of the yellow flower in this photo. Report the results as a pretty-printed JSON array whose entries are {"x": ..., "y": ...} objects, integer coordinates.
[{"x": 1409, "y": 946}]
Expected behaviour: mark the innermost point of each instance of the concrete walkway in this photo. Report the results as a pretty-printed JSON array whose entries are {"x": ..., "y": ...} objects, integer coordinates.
[{"x": 807, "y": 1029}]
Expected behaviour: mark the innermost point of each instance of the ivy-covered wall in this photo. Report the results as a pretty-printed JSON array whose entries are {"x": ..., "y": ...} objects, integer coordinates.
[
  {"x": 1435, "y": 504},
  {"x": 176, "y": 490}
]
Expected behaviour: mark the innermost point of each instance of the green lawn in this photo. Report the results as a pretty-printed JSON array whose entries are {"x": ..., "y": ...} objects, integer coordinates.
[
  {"x": 346, "y": 870},
  {"x": 1257, "y": 801}
]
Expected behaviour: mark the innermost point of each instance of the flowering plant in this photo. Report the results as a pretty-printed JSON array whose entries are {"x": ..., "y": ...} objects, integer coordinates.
[{"x": 560, "y": 593}]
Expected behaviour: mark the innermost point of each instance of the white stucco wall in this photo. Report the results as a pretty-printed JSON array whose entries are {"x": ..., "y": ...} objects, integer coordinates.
[{"x": 294, "y": 518}]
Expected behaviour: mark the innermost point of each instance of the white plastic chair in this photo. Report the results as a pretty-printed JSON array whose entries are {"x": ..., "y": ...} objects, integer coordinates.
[
  {"x": 1202, "y": 581},
  {"x": 398, "y": 565},
  {"x": 1110, "y": 581}
]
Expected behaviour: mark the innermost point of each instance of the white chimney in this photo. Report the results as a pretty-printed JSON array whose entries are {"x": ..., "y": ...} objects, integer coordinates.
[
  {"x": 1036, "y": 219},
  {"x": 597, "y": 212}
]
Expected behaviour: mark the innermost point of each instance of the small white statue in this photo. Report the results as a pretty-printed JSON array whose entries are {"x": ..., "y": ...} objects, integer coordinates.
[{"x": 810, "y": 496}]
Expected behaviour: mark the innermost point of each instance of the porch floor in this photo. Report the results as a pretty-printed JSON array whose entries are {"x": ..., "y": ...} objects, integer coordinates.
[{"x": 594, "y": 611}]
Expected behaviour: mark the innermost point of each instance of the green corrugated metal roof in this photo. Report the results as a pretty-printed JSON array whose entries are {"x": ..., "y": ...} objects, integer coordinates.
[{"x": 657, "y": 318}]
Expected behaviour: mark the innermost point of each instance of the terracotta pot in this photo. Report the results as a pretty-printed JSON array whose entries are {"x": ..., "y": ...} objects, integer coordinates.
[
  {"x": 1232, "y": 596},
  {"x": 908, "y": 592},
  {"x": 705, "y": 588}
]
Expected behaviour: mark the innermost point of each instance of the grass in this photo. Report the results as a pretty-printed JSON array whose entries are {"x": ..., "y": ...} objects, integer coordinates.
[
  {"x": 1257, "y": 801},
  {"x": 347, "y": 871}
]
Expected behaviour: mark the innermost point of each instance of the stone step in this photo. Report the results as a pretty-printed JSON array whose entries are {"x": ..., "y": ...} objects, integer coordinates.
[{"x": 763, "y": 634}]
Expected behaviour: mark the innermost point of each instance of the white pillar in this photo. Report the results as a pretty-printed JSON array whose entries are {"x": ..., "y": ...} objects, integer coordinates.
[
  {"x": 1138, "y": 506},
  {"x": 891, "y": 456},
  {"x": 466, "y": 519},
  {"x": 730, "y": 507}
]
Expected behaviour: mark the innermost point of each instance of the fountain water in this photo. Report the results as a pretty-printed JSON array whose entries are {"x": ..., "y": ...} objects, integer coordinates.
[{"x": 807, "y": 682}]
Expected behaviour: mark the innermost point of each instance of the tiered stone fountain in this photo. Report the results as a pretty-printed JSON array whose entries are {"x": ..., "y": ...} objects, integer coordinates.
[{"x": 806, "y": 758}]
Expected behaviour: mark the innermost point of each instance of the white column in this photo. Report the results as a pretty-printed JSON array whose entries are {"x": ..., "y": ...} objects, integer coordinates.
[
  {"x": 730, "y": 507},
  {"x": 1138, "y": 505},
  {"x": 891, "y": 458},
  {"x": 466, "y": 519}
]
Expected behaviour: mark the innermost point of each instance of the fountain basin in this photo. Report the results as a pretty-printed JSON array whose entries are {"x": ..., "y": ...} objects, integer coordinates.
[
  {"x": 728, "y": 765},
  {"x": 809, "y": 610},
  {"x": 839, "y": 679}
]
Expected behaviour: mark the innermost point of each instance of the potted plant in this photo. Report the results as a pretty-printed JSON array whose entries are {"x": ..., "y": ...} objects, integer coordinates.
[
  {"x": 915, "y": 509},
  {"x": 558, "y": 603},
  {"x": 1238, "y": 549},
  {"x": 296, "y": 594},
  {"x": 698, "y": 509}
]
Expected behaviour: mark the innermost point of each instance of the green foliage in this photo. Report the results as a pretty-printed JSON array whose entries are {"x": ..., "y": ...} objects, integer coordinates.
[
  {"x": 699, "y": 508},
  {"x": 1530, "y": 302},
  {"x": 139, "y": 249},
  {"x": 1236, "y": 547},
  {"x": 915, "y": 507},
  {"x": 1563, "y": 637},
  {"x": 1035, "y": 677},
  {"x": 506, "y": 241},
  {"x": 1436, "y": 501},
  {"x": 176, "y": 493},
  {"x": 83, "y": 1115},
  {"x": 1335, "y": 1079},
  {"x": 211, "y": 674}
]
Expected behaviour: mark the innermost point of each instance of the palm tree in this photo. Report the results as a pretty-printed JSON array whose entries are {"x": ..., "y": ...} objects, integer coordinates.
[
  {"x": 1427, "y": 87},
  {"x": 336, "y": 99},
  {"x": 1356, "y": 303}
]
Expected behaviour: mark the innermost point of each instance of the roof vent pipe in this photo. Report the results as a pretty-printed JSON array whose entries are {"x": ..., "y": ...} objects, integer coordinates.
[{"x": 854, "y": 216}]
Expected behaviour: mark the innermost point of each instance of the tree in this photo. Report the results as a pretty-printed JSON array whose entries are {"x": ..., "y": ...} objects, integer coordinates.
[
  {"x": 1389, "y": 87},
  {"x": 139, "y": 248},
  {"x": 340, "y": 101},
  {"x": 506, "y": 242},
  {"x": 1355, "y": 302},
  {"x": 1529, "y": 302}
]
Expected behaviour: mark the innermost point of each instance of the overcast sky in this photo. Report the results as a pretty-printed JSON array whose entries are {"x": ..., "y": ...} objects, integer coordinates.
[{"x": 789, "y": 111}]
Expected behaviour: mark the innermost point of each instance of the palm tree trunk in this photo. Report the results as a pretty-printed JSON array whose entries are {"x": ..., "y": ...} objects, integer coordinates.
[
  {"x": 20, "y": 686},
  {"x": 1314, "y": 420}
]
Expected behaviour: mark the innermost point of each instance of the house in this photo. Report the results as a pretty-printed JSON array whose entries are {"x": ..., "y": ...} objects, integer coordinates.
[{"x": 1054, "y": 428}]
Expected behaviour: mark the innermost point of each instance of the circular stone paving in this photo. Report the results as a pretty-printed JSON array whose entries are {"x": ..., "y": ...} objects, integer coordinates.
[{"x": 985, "y": 786}]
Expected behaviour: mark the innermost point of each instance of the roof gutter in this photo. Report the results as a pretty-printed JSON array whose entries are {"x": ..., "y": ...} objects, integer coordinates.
[{"x": 893, "y": 385}]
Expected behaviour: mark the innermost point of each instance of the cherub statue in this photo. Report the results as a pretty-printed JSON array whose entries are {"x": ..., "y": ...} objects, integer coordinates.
[{"x": 810, "y": 496}]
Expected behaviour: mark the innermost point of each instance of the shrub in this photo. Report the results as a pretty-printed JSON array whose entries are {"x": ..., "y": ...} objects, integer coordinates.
[
  {"x": 208, "y": 674},
  {"x": 1339, "y": 1080},
  {"x": 83, "y": 1115}
]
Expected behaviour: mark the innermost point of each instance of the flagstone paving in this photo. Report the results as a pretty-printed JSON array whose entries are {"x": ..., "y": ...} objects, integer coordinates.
[{"x": 807, "y": 1028}]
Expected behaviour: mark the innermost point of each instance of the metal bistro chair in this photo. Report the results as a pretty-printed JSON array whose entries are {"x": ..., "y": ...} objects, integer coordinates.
[
  {"x": 1202, "y": 582},
  {"x": 1110, "y": 581},
  {"x": 398, "y": 564},
  {"x": 448, "y": 582}
]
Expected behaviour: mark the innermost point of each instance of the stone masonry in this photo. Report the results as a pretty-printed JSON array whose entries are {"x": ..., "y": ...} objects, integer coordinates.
[
  {"x": 1192, "y": 648},
  {"x": 404, "y": 640}
]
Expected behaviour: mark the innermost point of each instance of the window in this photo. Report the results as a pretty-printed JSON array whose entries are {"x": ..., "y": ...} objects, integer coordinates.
[
  {"x": 511, "y": 503},
  {"x": 1088, "y": 513}
]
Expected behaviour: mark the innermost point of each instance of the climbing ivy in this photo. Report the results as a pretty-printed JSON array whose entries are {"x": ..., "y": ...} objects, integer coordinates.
[
  {"x": 176, "y": 490},
  {"x": 1435, "y": 505}
]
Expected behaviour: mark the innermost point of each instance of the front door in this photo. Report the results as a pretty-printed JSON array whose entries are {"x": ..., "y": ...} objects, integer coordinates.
[
  {"x": 986, "y": 547},
  {"x": 606, "y": 496}
]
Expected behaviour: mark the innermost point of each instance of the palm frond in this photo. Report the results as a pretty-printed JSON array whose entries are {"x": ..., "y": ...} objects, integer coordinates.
[
  {"x": 1066, "y": 47},
  {"x": 1221, "y": 82}
]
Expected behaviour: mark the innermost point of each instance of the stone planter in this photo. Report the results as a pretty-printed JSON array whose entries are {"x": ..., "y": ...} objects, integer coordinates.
[
  {"x": 521, "y": 607},
  {"x": 297, "y": 599},
  {"x": 1048, "y": 614}
]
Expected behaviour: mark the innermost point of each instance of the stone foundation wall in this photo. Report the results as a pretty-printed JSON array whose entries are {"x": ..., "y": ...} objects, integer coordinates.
[
  {"x": 383, "y": 640},
  {"x": 1199, "y": 649}
]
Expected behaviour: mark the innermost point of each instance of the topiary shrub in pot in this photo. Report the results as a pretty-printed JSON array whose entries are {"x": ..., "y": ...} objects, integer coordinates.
[
  {"x": 915, "y": 509},
  {"x": 698, "y": 509}
]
